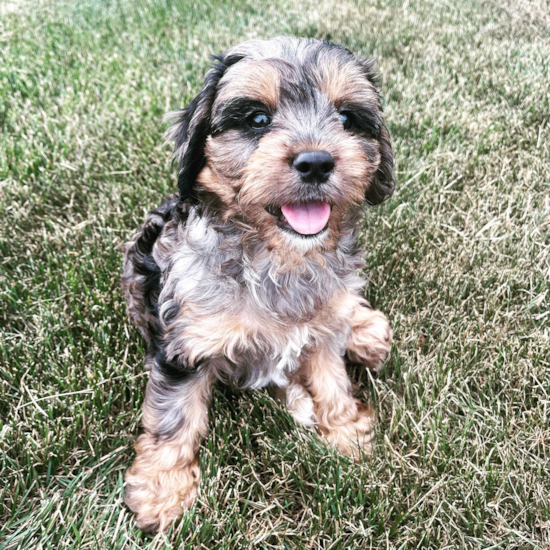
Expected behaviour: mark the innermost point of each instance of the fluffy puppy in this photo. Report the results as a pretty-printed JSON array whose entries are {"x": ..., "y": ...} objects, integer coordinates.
[{"x": 249, "y": 275}]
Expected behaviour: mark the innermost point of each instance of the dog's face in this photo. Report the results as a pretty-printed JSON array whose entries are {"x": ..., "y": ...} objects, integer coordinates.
[{"x": 287, "y": 137}]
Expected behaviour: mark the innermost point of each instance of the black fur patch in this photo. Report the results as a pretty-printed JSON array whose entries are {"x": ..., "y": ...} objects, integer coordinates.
[
  {"x": 383, "y": 185},
  {"x": 363, "y": 120},
  {"x": 234, "y": 114},
  {"x": 172, "y": 373},
  {"x": 145, "y": 265},
  {"x": 192, "y": 127}
]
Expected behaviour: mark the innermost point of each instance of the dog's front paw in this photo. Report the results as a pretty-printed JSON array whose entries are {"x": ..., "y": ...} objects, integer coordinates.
[
  {"x": 356, "y": 436},
  {"x": 158, "y": 496},
  {"x": 370, "y": 340}
]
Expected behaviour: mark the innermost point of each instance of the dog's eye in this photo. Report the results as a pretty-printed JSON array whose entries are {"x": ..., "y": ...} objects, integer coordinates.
[
  {"x": 259, "y": 120},
  {"x": 346, "y": 120}
]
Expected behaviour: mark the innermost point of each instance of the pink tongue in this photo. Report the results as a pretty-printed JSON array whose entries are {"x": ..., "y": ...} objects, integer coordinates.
[{"x": 308, "y": 218}]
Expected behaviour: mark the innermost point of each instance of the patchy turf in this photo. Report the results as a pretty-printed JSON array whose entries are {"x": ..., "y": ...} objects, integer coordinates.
[{"x": 459, "y": 260}]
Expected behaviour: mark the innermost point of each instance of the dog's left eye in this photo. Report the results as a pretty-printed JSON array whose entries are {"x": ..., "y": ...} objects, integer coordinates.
[
  {"x": 259, "y": 120},
  {"x": 346, "y": 120}
]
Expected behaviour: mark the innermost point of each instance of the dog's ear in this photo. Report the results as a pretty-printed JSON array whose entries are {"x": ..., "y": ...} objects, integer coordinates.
[
  {"x": 191, "y": 127},
  {"x": 383, "y": 183}
]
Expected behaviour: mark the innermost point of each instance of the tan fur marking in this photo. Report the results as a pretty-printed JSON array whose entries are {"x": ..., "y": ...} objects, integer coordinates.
[
  {"x": 259, "y": 80},
  {"x": 370, "y": 340},
  {"x": 165, "y": 474},
  {"x": 205, "y": 336},
  {"x": 344, "y": 83},
  {"x": 298, "y": 402},
  {"x": 221, "y": 188},
  {"x": 345, "y": 421}
]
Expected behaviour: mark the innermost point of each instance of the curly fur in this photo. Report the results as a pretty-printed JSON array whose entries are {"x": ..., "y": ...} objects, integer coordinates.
[{"x": 222, "y": 291}]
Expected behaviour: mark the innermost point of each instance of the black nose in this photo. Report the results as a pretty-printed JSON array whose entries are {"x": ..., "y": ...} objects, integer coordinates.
[{"x": 314, "y": 166}]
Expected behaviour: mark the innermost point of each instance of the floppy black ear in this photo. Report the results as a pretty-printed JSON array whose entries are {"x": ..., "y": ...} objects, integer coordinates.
[
  {"x": 191, "y": 127},
  {"x": 368, "y": 66},
  {"x": 383, "y": 184}
]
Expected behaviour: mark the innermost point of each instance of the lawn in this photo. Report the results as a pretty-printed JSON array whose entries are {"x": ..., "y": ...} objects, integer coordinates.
[{"x": 459, "y": 259}]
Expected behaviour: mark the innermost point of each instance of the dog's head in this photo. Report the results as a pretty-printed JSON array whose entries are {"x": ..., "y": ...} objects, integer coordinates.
[{"x": 287, "y": 137}]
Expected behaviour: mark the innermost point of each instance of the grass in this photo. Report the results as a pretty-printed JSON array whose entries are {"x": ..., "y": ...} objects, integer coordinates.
[{"x": 459, "y": 260}]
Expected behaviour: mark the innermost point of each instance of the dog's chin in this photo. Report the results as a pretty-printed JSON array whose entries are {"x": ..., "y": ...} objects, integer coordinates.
[{"x": 304, "y": 243}]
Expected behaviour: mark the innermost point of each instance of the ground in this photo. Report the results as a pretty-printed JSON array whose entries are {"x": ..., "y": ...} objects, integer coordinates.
[{"x": 459, "y": 260}]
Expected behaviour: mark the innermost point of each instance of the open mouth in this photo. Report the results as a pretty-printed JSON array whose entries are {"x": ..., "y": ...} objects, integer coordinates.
[{"x": 307, "y": 218}]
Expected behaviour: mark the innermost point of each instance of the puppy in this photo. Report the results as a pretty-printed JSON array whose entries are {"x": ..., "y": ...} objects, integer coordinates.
[{"x": 249, "y": 275}]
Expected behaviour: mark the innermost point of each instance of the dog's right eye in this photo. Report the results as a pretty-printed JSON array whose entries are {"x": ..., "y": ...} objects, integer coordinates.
[
  {"x": 346, "y": 119},
  {"x": 259, "y": 120}
]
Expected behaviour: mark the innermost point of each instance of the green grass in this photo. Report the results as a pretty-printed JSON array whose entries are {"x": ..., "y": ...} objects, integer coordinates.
[{"x": 459, "y": 259}]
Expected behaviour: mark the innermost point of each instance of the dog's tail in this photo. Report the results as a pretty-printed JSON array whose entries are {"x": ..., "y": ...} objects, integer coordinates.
[{"x": 141, "y": 277}]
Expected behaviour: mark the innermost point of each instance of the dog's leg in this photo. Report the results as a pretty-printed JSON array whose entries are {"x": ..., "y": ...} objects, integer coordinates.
[
  {"x": 345, "y": 421},
  {"x": 370, "y": 339},
  {"x": 299, "y": 403},
  {"x": 165, "y": 474}
]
